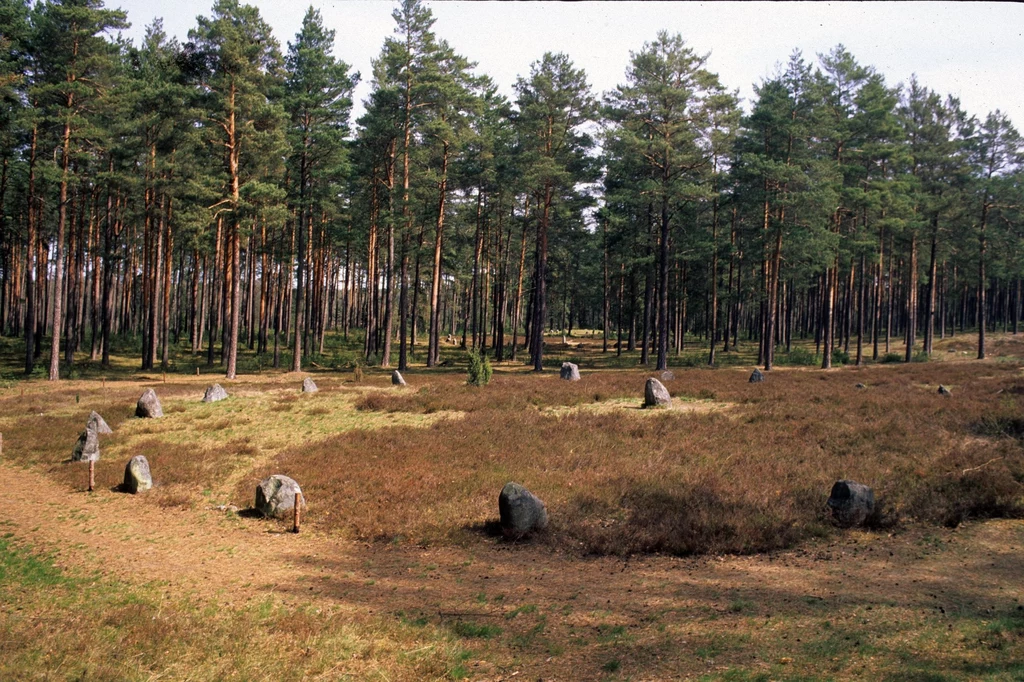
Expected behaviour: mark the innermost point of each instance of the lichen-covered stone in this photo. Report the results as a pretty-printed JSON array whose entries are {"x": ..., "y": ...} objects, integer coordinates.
[
  {"x": 851, "y": 503},
  {"x": 98, "y": 424},
  {"x": 520, "y": 511},
  {"x": 756, "y": 377},
  {"x": 570, "y": 371},
  {"x": 275, "y": 496},
  {"x": 667, "y": 375},
  {"x": 137, "y": 477},
  {"x": 308, "y": 386},
  {"x": 397, "y": 379},
  {"x": 214, "y": 393},
  {"x": 87, "y": 449},
  {"x": 656, "y": 395},
  {"x": 148, "y": 406}
]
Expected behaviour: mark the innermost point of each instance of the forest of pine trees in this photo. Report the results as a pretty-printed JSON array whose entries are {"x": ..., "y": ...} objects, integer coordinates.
[{"x": 201, "y": 196}]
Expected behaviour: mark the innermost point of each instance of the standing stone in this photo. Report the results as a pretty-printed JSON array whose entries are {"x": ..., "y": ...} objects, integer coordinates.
[
  {"x": 757, "y": 377},
  {"x": 656, "y": 395},
  {"x": 87, "y": 449},
  {"x": 275, "y": 496},
  {"x": 97, "y": 423},
  {"x": 149, "y": 405},
  {"x": 520, "y": 511},
  {"x": 851, "y": 503},
  {"x": 570, "y": 371},
  {"x": 944, "y": 391},
  {"x": 308, "y": 386},
  {"x": 667, "y": 375},
  {"x": 397, "y": 379},
  {"x": 214, "y": 393},
  {"x": 137, "y": 477}
]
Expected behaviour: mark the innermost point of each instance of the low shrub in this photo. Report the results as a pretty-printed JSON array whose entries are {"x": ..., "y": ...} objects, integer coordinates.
[
  {"x": 798, "y": 357},
  {"x": 889, "y": 358},
  {"x": 840, "y": 357},
  {"x": 479, "y": 369},
  {"x": 691, "y": 360}
]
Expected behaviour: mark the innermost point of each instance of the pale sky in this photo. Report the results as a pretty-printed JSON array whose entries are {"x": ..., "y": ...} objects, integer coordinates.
[{"x": 971, "y": 50}]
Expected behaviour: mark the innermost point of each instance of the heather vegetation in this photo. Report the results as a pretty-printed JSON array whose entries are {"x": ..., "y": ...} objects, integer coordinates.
[{"x": 401, "y": 570}]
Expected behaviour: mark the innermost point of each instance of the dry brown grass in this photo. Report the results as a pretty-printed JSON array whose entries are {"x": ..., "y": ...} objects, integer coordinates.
[
  {"x": 55, "y": 625},
  {"x": 746, "y": 479},
  {"x": 744, "y": 468}
]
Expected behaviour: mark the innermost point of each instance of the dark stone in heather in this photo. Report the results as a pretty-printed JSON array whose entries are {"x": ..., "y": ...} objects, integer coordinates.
[
  {"x": 137, "y": 477},
  {"x": 97, "y": 423},
  {"x": 860, "y": 386},
  {"x": 275, "y": 496},
  {"x": 851, "y": 503},
  {"x": 87, "y": 449},
  {"x": 944, "y": 391},
  {"x": 757, "y": 377},
  {"x": 397, "y": 379},
  {"x": 521, "y": 511},
  {"x": 308, "y": 386},
  {"x": 656, "y": 395},
  {"x": 149, "y": 406},
  {"x": 570, "y": 371},
  {"x": 214, "y": 393}
]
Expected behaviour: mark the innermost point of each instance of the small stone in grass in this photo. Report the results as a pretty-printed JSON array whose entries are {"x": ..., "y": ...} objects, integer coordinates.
[
  {"x": 520, "y": 511},
  {"x": 137, "y": 477},
  {"x": 656, "y": 395}
]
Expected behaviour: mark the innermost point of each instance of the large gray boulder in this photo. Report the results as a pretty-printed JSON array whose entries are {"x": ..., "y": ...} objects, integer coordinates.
[
  {"x": 521, "y": 511},
  {"x": 275, "y": 496},
  {"x": 397, "y": 379},
  {"x": 756, "y": 377},
  {"x": 87, "y": 449},
  {"x": 148, "y": 406},
  {"x": 851, "y": 503},
  {"x": 656, "y": 395},
  {"x": 97, "y": 423},
  {"x": 214, "y": 393},
  {"x": 667, "y": 375},
  {"x": 308, "y": 386},
  {"x": 137, "y": 477},
  {"x": 570, "y": 371}
]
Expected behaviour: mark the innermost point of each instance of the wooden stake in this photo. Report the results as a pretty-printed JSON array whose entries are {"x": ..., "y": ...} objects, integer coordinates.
[
  {"x": 1, "y": 445},
  {"x": 165, "y": 377},
  {"x": 92, "y": 474},
  {"x": 197, "y": 370},
  {"x": 104, "y": 382},
  {"x": 298, "y": 512}
]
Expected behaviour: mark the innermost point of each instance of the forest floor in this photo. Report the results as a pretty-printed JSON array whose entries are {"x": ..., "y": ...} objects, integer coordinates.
[{"x": 169, "y": 585}]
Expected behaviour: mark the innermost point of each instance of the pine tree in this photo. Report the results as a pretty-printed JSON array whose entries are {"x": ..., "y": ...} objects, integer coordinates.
[
  {"x": 73, "y": 60},
  {"x": 318, "y": 99},
  {"x": 237, "y": 63},
  {"x": 554, "y": 103}
]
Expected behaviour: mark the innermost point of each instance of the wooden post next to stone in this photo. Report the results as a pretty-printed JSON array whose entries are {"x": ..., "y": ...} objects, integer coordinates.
[
  {"x": 297, "y": 517},
  {"x": 92, "y": 474}
]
